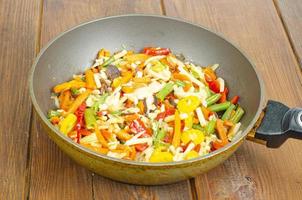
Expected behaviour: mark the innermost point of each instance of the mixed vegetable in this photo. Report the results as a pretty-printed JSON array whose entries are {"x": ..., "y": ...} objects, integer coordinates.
[{"x": 151, "y": 106}]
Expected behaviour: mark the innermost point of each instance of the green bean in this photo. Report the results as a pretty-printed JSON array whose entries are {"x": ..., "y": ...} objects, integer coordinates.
[
  {"x": 237, "y": 116},
  {"x": 165, "y": 91},
  {"x": 227, "y": 114},
  {"x": 210, "y": 127},
  {"x": 220, "y": 106},
  {"x": 109, "y": 61},
  {"x": 90, "y": 118},
  {"x": 213, "y": 99}
]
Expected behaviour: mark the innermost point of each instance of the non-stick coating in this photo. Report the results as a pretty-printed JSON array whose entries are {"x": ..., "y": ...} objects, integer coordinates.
[{"x": 75, "y": 50}]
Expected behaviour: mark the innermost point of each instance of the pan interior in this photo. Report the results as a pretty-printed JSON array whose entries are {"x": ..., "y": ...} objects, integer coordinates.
[{"x": 75, "y": 50}]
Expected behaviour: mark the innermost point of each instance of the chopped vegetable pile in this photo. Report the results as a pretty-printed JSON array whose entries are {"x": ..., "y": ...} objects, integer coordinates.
[{"x": 151, "y": 106}]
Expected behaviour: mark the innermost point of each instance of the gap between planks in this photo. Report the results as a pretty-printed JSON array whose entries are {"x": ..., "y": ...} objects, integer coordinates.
[
  {"x": 29, "y": 147},
  {"x": 286, "y": 30}
]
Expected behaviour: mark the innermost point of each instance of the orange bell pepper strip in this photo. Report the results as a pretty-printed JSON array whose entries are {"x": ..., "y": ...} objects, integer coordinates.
[
  {"x": 177, "y": 127},
  {"x": 181, "y": 77},
  {"x": 206, "y": 112},
  {"x": 67, "y": 85},
  {"x": 100, "y": 137},
  {"x": 90, "y": 79},
  {"x": 77, "y": 102},
  {"x": 65, "y": 100},
  {"x": 222, "y": 131},
  {"x": 131, "y": 117}
]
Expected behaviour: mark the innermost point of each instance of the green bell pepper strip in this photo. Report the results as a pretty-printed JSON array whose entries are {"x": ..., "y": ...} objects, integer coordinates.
[
  {"x": 237, "y": 116},
  {"x": 90, "y": 118},
  {"x": 165, "y": 91},
  {"x": 213, "y": 99},
  {"x": 220, "y": 106},
  {"x": 227, "y": 114}
]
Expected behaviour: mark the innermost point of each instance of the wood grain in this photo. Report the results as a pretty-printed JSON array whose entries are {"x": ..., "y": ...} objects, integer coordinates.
[
  {"x": 18, "y": 30},
  {"x": 291, "y": 14},
  {"x": 254, "y": 172},
  {"x": 63, "y": 178}
]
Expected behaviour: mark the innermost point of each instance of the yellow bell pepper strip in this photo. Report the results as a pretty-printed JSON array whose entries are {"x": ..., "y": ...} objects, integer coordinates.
[
  {"x": 90, "y": 79},
  {"x": 123, "y": 135},
  {"x": 194, "y": 135},
  {"x": 158, "y": 156},
  {"x": 227, "y": 114},
  {"x": 192, "y": 154},
  {"x": 220, "y": 106},
  {"x": 127, "y": 89},
  {"x": 77, "y": 102},
  {"x": 188, "y": 104},
  {"x": 167, "y": 89},
  {"x": 132, "y": 153},
  {"x": 125, "y": 78},
  {"x": 68, "y": 85},
  {"x": 189, "y": 121},
  {"x": 142, "y": 80},
  {"x": 100, "y": 137},
  {"x": 177, "y": 131},
  {"x": 103, "y": 53},
  {"x": 136, "y": 57},
  {"x": 238, "y": 115},
  {"x": 67, "y": 124},
  {"x": 90, "y": 118},
  {"x": 222, "y": 131},
  {"x": 158, "y": 66},
  {"x": 141, "y": 107}
]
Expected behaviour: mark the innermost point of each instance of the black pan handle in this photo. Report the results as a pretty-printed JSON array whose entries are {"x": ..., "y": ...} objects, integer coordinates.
[{"x": 278, "y": 122}]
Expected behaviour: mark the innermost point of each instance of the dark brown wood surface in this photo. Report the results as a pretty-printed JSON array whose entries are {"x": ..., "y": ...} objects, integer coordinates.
[
  {"x": 33, "y": 167},
  {"x": 290, "y": 12}
]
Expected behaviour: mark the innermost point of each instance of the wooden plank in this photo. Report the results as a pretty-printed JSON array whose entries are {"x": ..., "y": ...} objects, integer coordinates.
[
  {"x": 18, "y": 31},
  {"x": 291, "y": 14},
  {"x": 254, "y": 172},
  {"x": 65, "y": 179}
]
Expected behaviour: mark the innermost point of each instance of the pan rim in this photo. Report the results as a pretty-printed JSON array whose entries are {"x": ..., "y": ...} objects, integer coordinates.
[{"x": 93, "y": 154}]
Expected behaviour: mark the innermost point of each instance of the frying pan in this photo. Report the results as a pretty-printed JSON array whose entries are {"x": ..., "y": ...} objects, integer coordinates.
[{"x": 74, "y": 50}]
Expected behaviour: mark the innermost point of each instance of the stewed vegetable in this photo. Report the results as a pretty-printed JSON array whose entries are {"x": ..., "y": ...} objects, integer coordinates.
[{"x": 149, "y": 106}]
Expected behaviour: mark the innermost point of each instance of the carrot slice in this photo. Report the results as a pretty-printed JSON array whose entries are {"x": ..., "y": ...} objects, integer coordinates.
[
  {"x": 77, "y": 102},
  {"x": 131, "y": 117},
  {"x": 100, "y": 137}
]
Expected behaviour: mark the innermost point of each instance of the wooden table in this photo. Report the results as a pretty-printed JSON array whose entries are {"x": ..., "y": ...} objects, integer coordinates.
[{"x": 269, "y": 31}]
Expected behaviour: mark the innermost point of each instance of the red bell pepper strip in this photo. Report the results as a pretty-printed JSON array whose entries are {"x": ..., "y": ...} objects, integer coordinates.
[
  {"x": 156, "y": 51},
  {"x": 141, "y": 147},
  {"x": 162, "y": 115},
  {"x": 235, "y": 100},
  {"x": 214, "y": 86},
  {"x": 80, "y": 120},
  {"x": 224, "y": 94}
]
